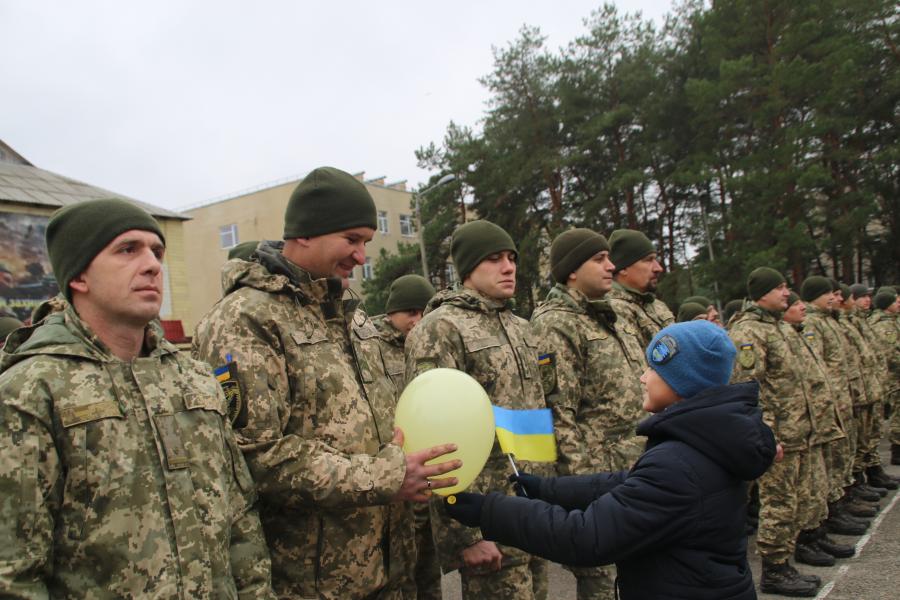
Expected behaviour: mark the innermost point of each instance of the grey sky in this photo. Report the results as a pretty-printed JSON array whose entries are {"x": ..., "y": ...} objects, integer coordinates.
[{"x": 175, "y": 102}]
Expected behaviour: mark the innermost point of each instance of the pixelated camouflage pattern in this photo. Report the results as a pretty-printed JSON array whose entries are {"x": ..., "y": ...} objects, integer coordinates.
[
  {"x": 765, "y": 355},
  {"x": 779, "y": 502},
  {"x": 827, "y": 424},
  {"x": 863, "y": 361},
  {"x": 640, "y": 314},
  {"x": 120, "y": 479},
  {"x": 830, "y": 344},
  {"x": 884, "y": 327},
  {"x": 812, "y": 503},
  {"x": 465, "y": 330},
  {"x": 392, "y": 351},
  {"x": 318, "y": 427}
]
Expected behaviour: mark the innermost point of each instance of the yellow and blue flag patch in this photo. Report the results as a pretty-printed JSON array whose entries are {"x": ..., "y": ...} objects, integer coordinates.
[{"x": 526, "y": 434}]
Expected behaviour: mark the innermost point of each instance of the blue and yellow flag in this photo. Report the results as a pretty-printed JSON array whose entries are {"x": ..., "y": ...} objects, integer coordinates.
[{"x": 526, "y": 434}]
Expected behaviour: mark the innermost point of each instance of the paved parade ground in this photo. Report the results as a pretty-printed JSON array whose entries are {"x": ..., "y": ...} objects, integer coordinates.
[{"x": 873, "y": 574}]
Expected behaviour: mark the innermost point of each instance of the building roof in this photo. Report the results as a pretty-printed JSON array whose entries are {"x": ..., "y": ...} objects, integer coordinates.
[{"x": 27, "y": 184}]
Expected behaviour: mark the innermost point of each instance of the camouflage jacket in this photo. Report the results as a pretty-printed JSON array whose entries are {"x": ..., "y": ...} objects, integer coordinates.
[
  {"x": 465, "y": 330},
  {"x": 391, "y": 346},
  {"x": 315, "y": 423},
  {"x": 592, "y": 381},
  {"x": 827, "y": 423},
  {"x": 120, "y": 479},
  {"x": 887, "y": 328},
  {"x": 860, "y": 319},
  {"x": 641, "y": 313},
  {"x": 863, "y": 361},
  {"x": 830, "y": 344},
  {"x": 766, "y": 356}
]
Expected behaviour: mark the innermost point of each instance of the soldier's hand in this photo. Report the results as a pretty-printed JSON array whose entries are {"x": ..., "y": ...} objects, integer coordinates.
[
  {"x": 526, "y": 485},
  {"x": 417, "y": 483},
  {"x": 465, "y": 508},
  {"x": 483, "y": 554},
  {"x": 779, "y": 452}
]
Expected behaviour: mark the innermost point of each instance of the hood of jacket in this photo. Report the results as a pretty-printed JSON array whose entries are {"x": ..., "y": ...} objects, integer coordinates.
[
  {"x": 635, "y": 295},
  {"x": 63, "y": 333},
  {"x": 272, "y": 272},
  {"x": 563, "y": 298},
  {"x": 722, "y": 423},
  {"x": 466, "y": 298}
]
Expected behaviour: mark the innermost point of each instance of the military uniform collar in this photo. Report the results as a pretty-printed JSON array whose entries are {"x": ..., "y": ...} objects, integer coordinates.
[
  {"x": 489, "y": 304},
  {"x": 764, "y": 313},
  {"x": 389, "y": 333},
  {"x": 640, "y": 297}
]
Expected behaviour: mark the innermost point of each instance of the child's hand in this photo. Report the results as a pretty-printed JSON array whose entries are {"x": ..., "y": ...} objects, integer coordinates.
[
  {"x": 526, "y": 485},
  {"x": 779, "y": 452},
  {"x": 465, "y": 508}
]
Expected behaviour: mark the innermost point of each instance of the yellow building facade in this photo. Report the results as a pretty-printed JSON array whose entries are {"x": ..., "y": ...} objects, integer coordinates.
[{"x": 218, "y": 226}]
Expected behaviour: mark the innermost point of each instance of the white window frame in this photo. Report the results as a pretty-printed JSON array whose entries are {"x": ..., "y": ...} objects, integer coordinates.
[
  {"x": 409, "y": 223},
  {"x": 231, "y": 231},
  {"x": 367, "y": 271},
  {"x": 383, "y": 222}
]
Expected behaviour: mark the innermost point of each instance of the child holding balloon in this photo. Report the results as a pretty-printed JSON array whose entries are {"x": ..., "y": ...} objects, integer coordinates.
[{"x": 674, "y": 523}]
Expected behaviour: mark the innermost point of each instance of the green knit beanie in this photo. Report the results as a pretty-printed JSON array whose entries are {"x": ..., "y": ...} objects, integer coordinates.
[
  {"x": 702, "y": 300},
  {"x": 859, "y": 290},
  {"x": 475, "y": 241},
  {"x": 78, "y": 232},
  {"x": 762, "y": 281},
  {"x": 410, "y": 292},
  {"x": 690, "y": 311},
  {"x": 815, "y": 286},
  {"x": 845, "y": 291},
  {"x": 730, "y": 308},
  {"x": 884, "y": 298},
  {"x": 243, "y": 250},
  {"x": 7, "y": 326},
  {"x": 835, "y": 286},
  {"x": 793, "y": 298},
  {"x": 328, "y": 200},
  {"x": 573, "y": 248},
  {"x": 628, "y": 246}
]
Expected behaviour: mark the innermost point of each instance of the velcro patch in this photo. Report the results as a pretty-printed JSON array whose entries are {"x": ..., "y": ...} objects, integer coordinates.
[
  {"x": 746, "y": 356},
  {"x": 547, "y": 367},
  {"x": 226, "y": 375},
  {"x": 664, "y": 350}
]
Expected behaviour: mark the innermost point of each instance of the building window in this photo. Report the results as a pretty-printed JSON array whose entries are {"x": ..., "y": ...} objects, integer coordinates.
[
  {"x": 352, "y": 274},
  {"x": 228, "y": 236},
  {"x": 367, "y": 269},
  {"x": 382, "y": 221},
  {"x": 407, "y": 226}
]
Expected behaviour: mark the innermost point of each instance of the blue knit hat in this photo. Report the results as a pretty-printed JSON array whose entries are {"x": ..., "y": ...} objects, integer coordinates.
[{"x": 692, "y": 356}]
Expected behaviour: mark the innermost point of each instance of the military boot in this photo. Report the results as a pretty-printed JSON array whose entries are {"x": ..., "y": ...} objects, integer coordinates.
[
  {"x": 813, "y": 579},
  {"x": 877, "y": 477},
  {"x": 895, "y": 454},
  {"x": 838, "y": 522},
  {"x": 826, "y": 544},
  {"x": 863, "y": 491},
  {"x": 809, "y": 553},
  {"x": 782, "y": 579},
  {"x": 857, "y": 508}
]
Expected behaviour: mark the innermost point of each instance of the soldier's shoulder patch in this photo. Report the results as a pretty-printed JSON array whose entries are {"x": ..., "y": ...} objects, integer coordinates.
[
  {"x": 226, "y": 375},
  {"x": 809, "y": 334},
  {"x": 547, "y": 366},
  {"x": 425, "y": 364},
  {"x": 746, "y": 356},
  {"x": 891, "y": 337}
]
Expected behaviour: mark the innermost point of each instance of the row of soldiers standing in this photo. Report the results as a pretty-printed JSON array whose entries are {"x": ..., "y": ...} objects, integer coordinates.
[{"x": 126, "y": 469}]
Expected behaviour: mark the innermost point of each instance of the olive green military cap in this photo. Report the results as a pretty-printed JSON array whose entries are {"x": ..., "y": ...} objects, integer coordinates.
[
  {"x": 703, "y": 300},
  {"x": 573, "y": 248},
  {"x": 628, "y": 246},
  {"x": 475, "y": 241},
  {"x": 884, "y": 298},
  {"x": 762, "y": 281},
  {"x": 409, "y": 292},
  {"x": 815, "y": 286},
  {"x": 326, "y": 201},
  {"x": 690, "y": 311},
  {"x": 858, "y": 290}
]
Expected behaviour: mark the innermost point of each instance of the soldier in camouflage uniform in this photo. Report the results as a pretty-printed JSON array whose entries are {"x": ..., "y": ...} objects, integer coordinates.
[
  {"x": 636, "y": 277},
  {"x": 886, "y": 326},
  {"x": 313, "y": 407},
  {"x": 119, "y": 473},
  {"x": 765, "y": 355},
  {"x": 407, "y": 299},
  {"x": 472, "y": 329},
  {"x": 829, "y": 342},
  {"x": 814, "y": 547},
  {"x": 592, "y": 375}
]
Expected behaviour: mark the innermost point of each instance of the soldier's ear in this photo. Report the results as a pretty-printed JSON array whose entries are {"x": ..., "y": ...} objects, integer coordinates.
[{"x": 79, "y": 284}]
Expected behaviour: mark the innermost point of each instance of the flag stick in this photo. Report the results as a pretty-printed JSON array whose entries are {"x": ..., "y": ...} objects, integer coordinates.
[{"x": 516, "y": 471}]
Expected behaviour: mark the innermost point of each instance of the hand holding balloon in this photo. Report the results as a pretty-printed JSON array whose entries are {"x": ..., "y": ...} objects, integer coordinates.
[
  {"x": 438, "y": 407},
  {"x": 416, "y": 485}
]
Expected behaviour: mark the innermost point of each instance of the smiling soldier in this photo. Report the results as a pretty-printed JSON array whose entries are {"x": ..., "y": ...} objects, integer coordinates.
[{"x": 119, "y": 474}]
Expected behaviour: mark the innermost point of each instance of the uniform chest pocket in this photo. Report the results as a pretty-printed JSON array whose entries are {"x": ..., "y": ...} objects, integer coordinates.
[
  {"x": 486, "y": 358},
  {"x": 307, "y": 361}
]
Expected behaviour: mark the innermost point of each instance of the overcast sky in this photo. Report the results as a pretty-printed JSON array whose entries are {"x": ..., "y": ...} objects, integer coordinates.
[{"x": 176, "y": 102}]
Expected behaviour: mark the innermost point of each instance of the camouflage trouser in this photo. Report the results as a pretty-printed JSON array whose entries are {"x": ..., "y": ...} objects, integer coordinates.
[
  {"x": 778, "y": 502},
  {"x": 895, "y": 419},
  {"x": 428, "y": 571},
  {"x": 515, "y": 582},
  {"x": 599, "y": 583},
  {"x": 868, "y": 436},
  {"x": 812, "y": 504},
  {"x": 839, "y": 466}
]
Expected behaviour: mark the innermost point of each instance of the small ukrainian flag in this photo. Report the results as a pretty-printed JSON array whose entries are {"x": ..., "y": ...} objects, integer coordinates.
[
  {"x": 545, "y": 359},
  {"x": 526, "y": 434}
]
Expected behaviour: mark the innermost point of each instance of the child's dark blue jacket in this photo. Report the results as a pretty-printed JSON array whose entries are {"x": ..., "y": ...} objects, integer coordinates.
[{"x": 674, "y": 523}]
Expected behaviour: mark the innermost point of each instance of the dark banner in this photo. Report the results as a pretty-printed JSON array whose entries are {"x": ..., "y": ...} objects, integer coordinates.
[{"x": 26, "y": 278}]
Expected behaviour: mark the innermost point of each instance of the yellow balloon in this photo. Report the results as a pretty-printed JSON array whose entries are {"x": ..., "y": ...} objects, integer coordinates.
[{"x": 443, "y": 406}]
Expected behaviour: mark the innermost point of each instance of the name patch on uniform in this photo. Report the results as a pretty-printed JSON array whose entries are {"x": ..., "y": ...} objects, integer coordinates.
[
  {"x": 547, "y": 367},
  {"x": 76, "y": 415},
  {"x": 746, "y": 356},
  {"x": 664, "y": 350},
  {"x": 226, "y": 375}
]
